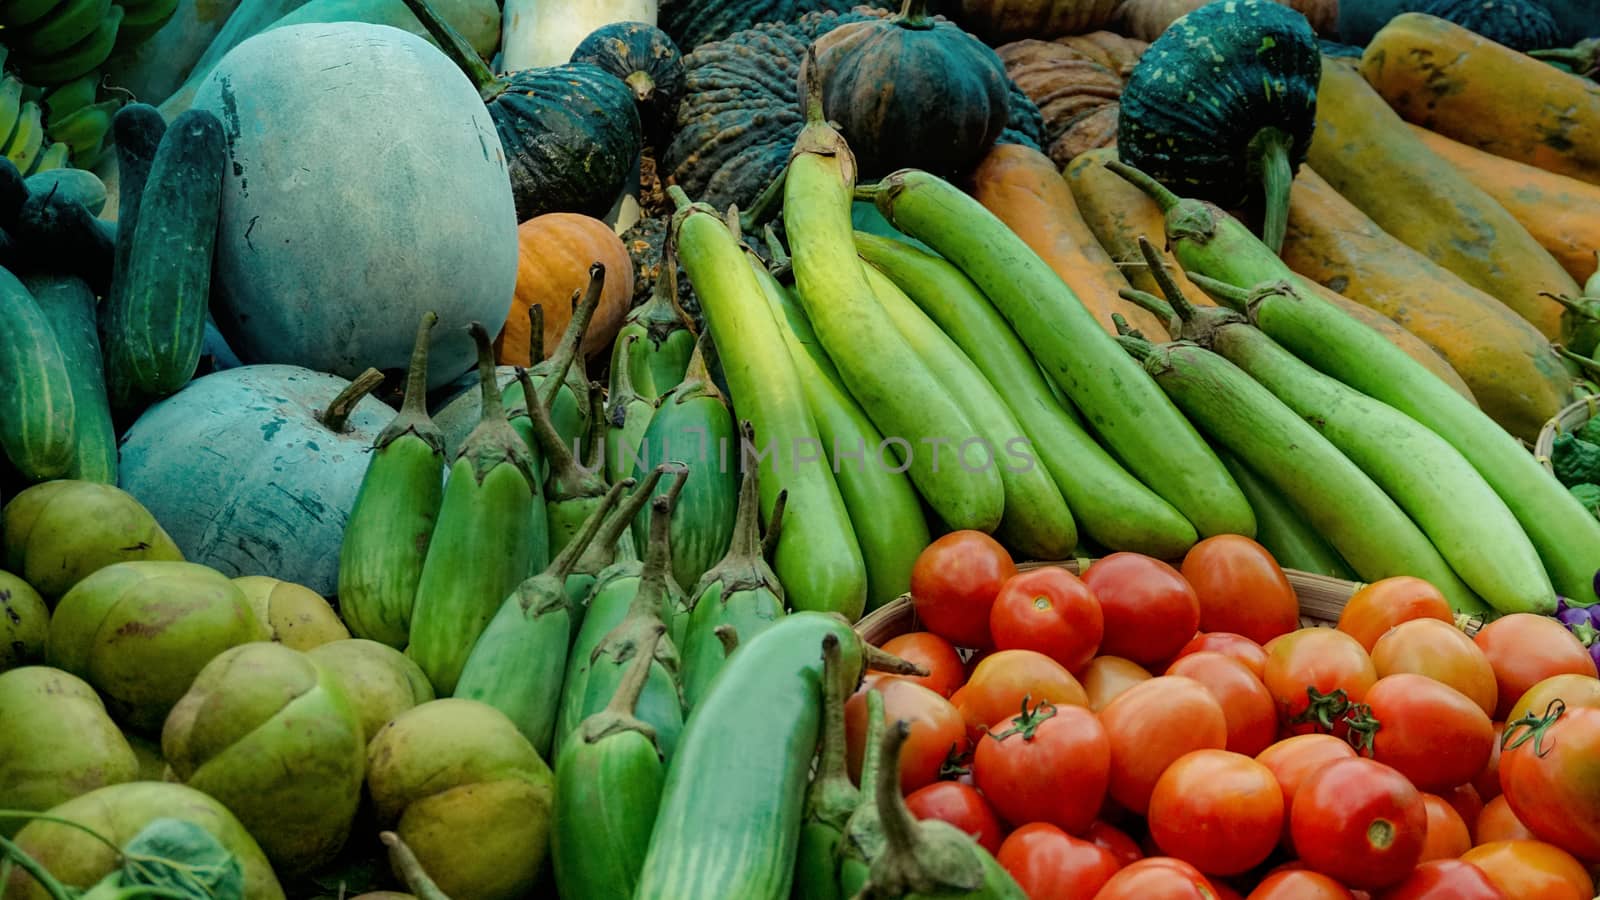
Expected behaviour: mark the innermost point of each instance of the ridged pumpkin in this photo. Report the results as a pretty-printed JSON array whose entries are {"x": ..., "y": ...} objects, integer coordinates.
[
  {"x": 647, "y": 61},
  {"x": 692, "y": 23},
  {"x": 876, "y": 86},
  {"x": 557, "y": 250},
  {"x": 997, "y": 21},
  {"x": 1146, "y": 19},
  {"x": 1077, "y": 83},
  {"x": 1519, "y": 24}
]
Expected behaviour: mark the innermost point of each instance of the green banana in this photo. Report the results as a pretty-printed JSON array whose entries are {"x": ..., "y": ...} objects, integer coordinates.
[
  {"x": 63, "y": 27},
  {"x": 481, "y": 548},
  {"x": 144, "y": 20},
  {"x": 85, "y": 130},
  {"x": 10, "y": 104},
  {"x": 21, "y": 13},
  {"x": 64, "y": 100},
  {"x": 55, "y": 156},
  {"x": 26, "y": 140},
  {"x": 628, "y": 413},
  {"x": 81, "y": 58},
  {"x": 391, "y": 524}
]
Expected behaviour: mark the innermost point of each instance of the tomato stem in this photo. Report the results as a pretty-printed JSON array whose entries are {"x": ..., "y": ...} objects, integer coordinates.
[
  {"x": 1362, "y": 727},
  {"x": 1030, "y": 720},
  {"x": 1324, "y": 710},
  {"x": 1533, "y": 726}
]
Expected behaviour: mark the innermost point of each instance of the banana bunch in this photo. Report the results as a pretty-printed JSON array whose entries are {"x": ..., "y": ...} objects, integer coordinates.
[
  {"x": 73, "y": 119},
  {"x": 56, "y": 41}
]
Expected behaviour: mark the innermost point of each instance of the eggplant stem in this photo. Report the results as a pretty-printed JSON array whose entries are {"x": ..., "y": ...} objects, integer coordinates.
[
  {"x": 1154, "y": 189},
  {"x": 336, "y": 418}
]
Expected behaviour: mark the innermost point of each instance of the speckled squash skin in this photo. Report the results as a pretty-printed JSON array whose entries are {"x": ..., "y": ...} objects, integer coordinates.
[
  {"x": 647, "y": 61},
  {"x": 695, "y": 22},
  {"x": 1077, "y": 82}
]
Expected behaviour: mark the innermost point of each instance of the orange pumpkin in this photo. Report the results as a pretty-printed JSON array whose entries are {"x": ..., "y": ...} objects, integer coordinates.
[{"x": 555, "y": 253}]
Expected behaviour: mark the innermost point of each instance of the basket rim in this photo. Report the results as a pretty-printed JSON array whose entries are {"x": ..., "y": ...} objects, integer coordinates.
[{"x": 1571, "y": 417}]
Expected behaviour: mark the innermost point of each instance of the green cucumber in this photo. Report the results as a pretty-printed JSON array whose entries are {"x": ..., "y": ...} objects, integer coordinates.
[
  {"x": 38, "y": 409},
  {"x": 137, "y": 130},
  {"x": 68, "y": 304},
  {"x": 1285, "y": 534}
]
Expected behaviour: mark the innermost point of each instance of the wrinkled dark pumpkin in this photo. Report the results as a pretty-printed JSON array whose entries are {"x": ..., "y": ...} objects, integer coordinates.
[
  {"x": 571, "y": 134},
  {"x": 999, "y": 21},
  {"x": 1518, "y": 24},
  {"x": 1077, "y": 83},
  {"x": 695, "y": 22},
  {"x": 1222, "y": 106},
  {"x": 876, "y": 85},
  {"x": 647, "y": 61}
]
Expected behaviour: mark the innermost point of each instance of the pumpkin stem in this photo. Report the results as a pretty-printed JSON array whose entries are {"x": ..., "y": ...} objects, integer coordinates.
[
  {"x": 642, "y": 84},
  {"x": 1235, "y": 298},
  {"x": 1153, "y": 188},
  {"x": 567, "y": 351},
  {"x": 914, "y": 14},
  {"x": 1269, "y": 153},
  {"x": 456, "y": 47},
  {"x": 1169, "y": 285},
  {"x": 410, "y": 869},
  {"x": 336, "y": 417},
  {"x": 535, "y": 334}
]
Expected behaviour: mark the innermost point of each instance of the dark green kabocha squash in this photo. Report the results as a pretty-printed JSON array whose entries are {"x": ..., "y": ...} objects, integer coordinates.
[
  {"x": 695, "y": 22},
  {"x": 571, "y": 134},
  {"x": 1518, "y": 24},
  {"x": 1222, "y": 106},
  {"x": 912, "y": 91},
  {"x": 647, "y": 61}
]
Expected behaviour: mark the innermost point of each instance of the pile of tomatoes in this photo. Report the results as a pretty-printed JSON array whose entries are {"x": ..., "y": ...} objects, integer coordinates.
[{"x": 1145, "y": 732}]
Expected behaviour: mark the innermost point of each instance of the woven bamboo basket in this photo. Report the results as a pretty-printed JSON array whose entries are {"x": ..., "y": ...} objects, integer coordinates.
[{"x": 1570, "y": 419}]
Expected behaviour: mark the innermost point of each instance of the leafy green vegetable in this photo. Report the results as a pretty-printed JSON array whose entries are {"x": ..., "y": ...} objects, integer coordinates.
[
  {"x": 173, "y": 859},
  {"x": 1575, "y": 460},
  {"x": 1589, "y": 496}
]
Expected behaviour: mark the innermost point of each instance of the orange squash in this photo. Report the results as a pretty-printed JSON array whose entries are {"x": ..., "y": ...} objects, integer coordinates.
[
  {"x": 1515, "y": 375},
  {"x": 556, "y": 251},
  {"x": 1468, "y": 88},
  {"x": 1366, "y": 152},
  {"x": 1562, "y": 214},
  {"x": 1022, "y": 188}
]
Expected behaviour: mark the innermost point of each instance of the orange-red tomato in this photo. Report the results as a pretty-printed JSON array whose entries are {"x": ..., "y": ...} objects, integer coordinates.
[
  {"x": 1293, "y": 760},
  {"x": 1532, "y": 870},
  {"x": 1051, "y": 611},
  {"x": 1550, "y": 774},
  {"x": 1487, "y": 782},
  {"x": 954, "y": 582},
  {"x": 1049, "y": 864},
  {"x": 1571, "y": 690},
  {"x": 1220, "y": 812},
  {"x": 1445, "y": 879},
  {"x": 1251, "y": 715},
  {"x": 936, "y": 729},
  {"x": 1498, "y": 823},
  {"x": 1384, "y": 604},
  {"x": 1466, "y": 802},
  {"x": 1050, "y": 764},
  {"x": 1448, "y": 836},
  {"x": 1150, "y": 610},
  {"x": 1525, "y": 649},
  {"x": 946, "y": 672},
  {"x": 962, "y": 806},
  {"x": 1429, "y": 731},
  {"x": 1235, "y": 646},
  {"x": 1320, "y": 658},
  {"x": 1115, "y": 841},
  {"x": 1241, "y": 589},
  {"x": 1152, "y": 724},
  {"x": 999, "y": 684},
  {"x": 1361, "y": 822},
  {"x": 1158, "y": 878},
  {"x": 1442, "y": 652},
  {"x": 1107, "y": 676},
  {"x": 1299, "y": 884}
]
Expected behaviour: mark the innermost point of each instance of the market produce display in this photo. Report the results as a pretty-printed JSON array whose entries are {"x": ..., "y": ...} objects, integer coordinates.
[{"x": 1052, "y": 449}]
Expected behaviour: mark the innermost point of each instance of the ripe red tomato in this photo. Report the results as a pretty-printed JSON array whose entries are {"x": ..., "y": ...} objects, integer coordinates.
[
  {"x": 1430, "y": 732},
  {"x": 1051, "y": 611},
  {"x": 962, "y": 806},
  {"x": 1293, "y": 760},
  {"x": 999, "y": 684},
  {"x": 1525, "y": 649},
  {"x": 1241, "y": 588},
  {"x": 1464, "y": 799},
  {"x": 954, "y": 582},
  {"x": 936, "y": 729},
  {"x": 1571, "y": 690},
  {"x": 1236, "y": 646},
  {"x": 1107, "y": 676},
  {"x": 1320, "y": 658},
  {"x": 1384, "y": 604},
  {"x": 1445, "y": 879},
  {"x": 1361, "y": 822},
  {"x": 1442, "y": 652},
  {"x": 1152, "y": 724},
  {"x": 1251, "y": 715},
  {"x": 1049, "y": 864},
  {"x": 1550, "y": 774},
  {"x": 946, "y": 672},
  {"x": 1532, "y": 870},
  {"x": 1487, "y": 782},
  {"x": 1114, "y": 841},
  {"x": 1498, "y": 823},
  {"x": 1050, "y": 765},
  {"x": 1221, "y": 812},
  {"x": 1150, "y": 610},
  {"x": 1447, "y": 836},
  {"x": 1299, "y": 884},
  {"x": 1158, "y": 878}
]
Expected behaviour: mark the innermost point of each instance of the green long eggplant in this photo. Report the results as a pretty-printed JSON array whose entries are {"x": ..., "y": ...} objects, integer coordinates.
[
  {"x": 608, "y": 787},
  {"x": 741, "y": 591},
  {"x": 628, "y": 415},
  {"x": 606, "y": 549},
  {"x": 397, "y": 507},
  {"x": 1282, "y": 530},
  {"x": 832, "y": 797},
  {"x": 482, "y": 544},
  {"x": 68, "y": 304},
  {"x": 665, "y": 339}
]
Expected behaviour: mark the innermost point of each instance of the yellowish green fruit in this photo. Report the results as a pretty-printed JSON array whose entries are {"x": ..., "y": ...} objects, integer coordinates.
[
  {"x": 297, "y": 616},
  {"x": 380, "y": 681},
  {"x": 152, "y": 765},
  {"x": 56, "y": 742},
  {"x": 59, "y": 532},
  {"x": 24, "y": 623}
]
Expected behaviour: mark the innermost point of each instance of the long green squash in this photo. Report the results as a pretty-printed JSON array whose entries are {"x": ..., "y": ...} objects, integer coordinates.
[{"x": 1282, "y": 530}]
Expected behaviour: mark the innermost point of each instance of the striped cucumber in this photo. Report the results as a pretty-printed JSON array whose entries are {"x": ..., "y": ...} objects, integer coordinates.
[
  {"x": 1293, "y": 543},
  {"x": 661, "y": 703},
  {"x": 818, "y": 559},
  {"x": 517, "y": 663},
  {"x": 1210, "y": 243},
  {"x": 68, "y": 304},
  {"x": 38, "y": 410},
  {"x": 627, "y": 415},
  {"x": 168, "y": 275},
  {"x": 885, "y": 511},
  {"x": 1336, "y": 498},
  {"x": 608, "y": 787},
  {"x": 1110, "y": 506},
  {"x": 1132, "y": 416},
  {"x": 575, "y": 487},
  {"x": 740, "y": 592},
  {"x": 1036, "y": 522},
  {"x": 391, "y": 524},
  {"x": 892, "y": 383},
  {"x": 659, "y": 357},
  {"x": 482, "y": 544},
  {"x": 831, "y": 797},
  {"x": 137, "y": 131},
  {"x": 693, "y": 427}
]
